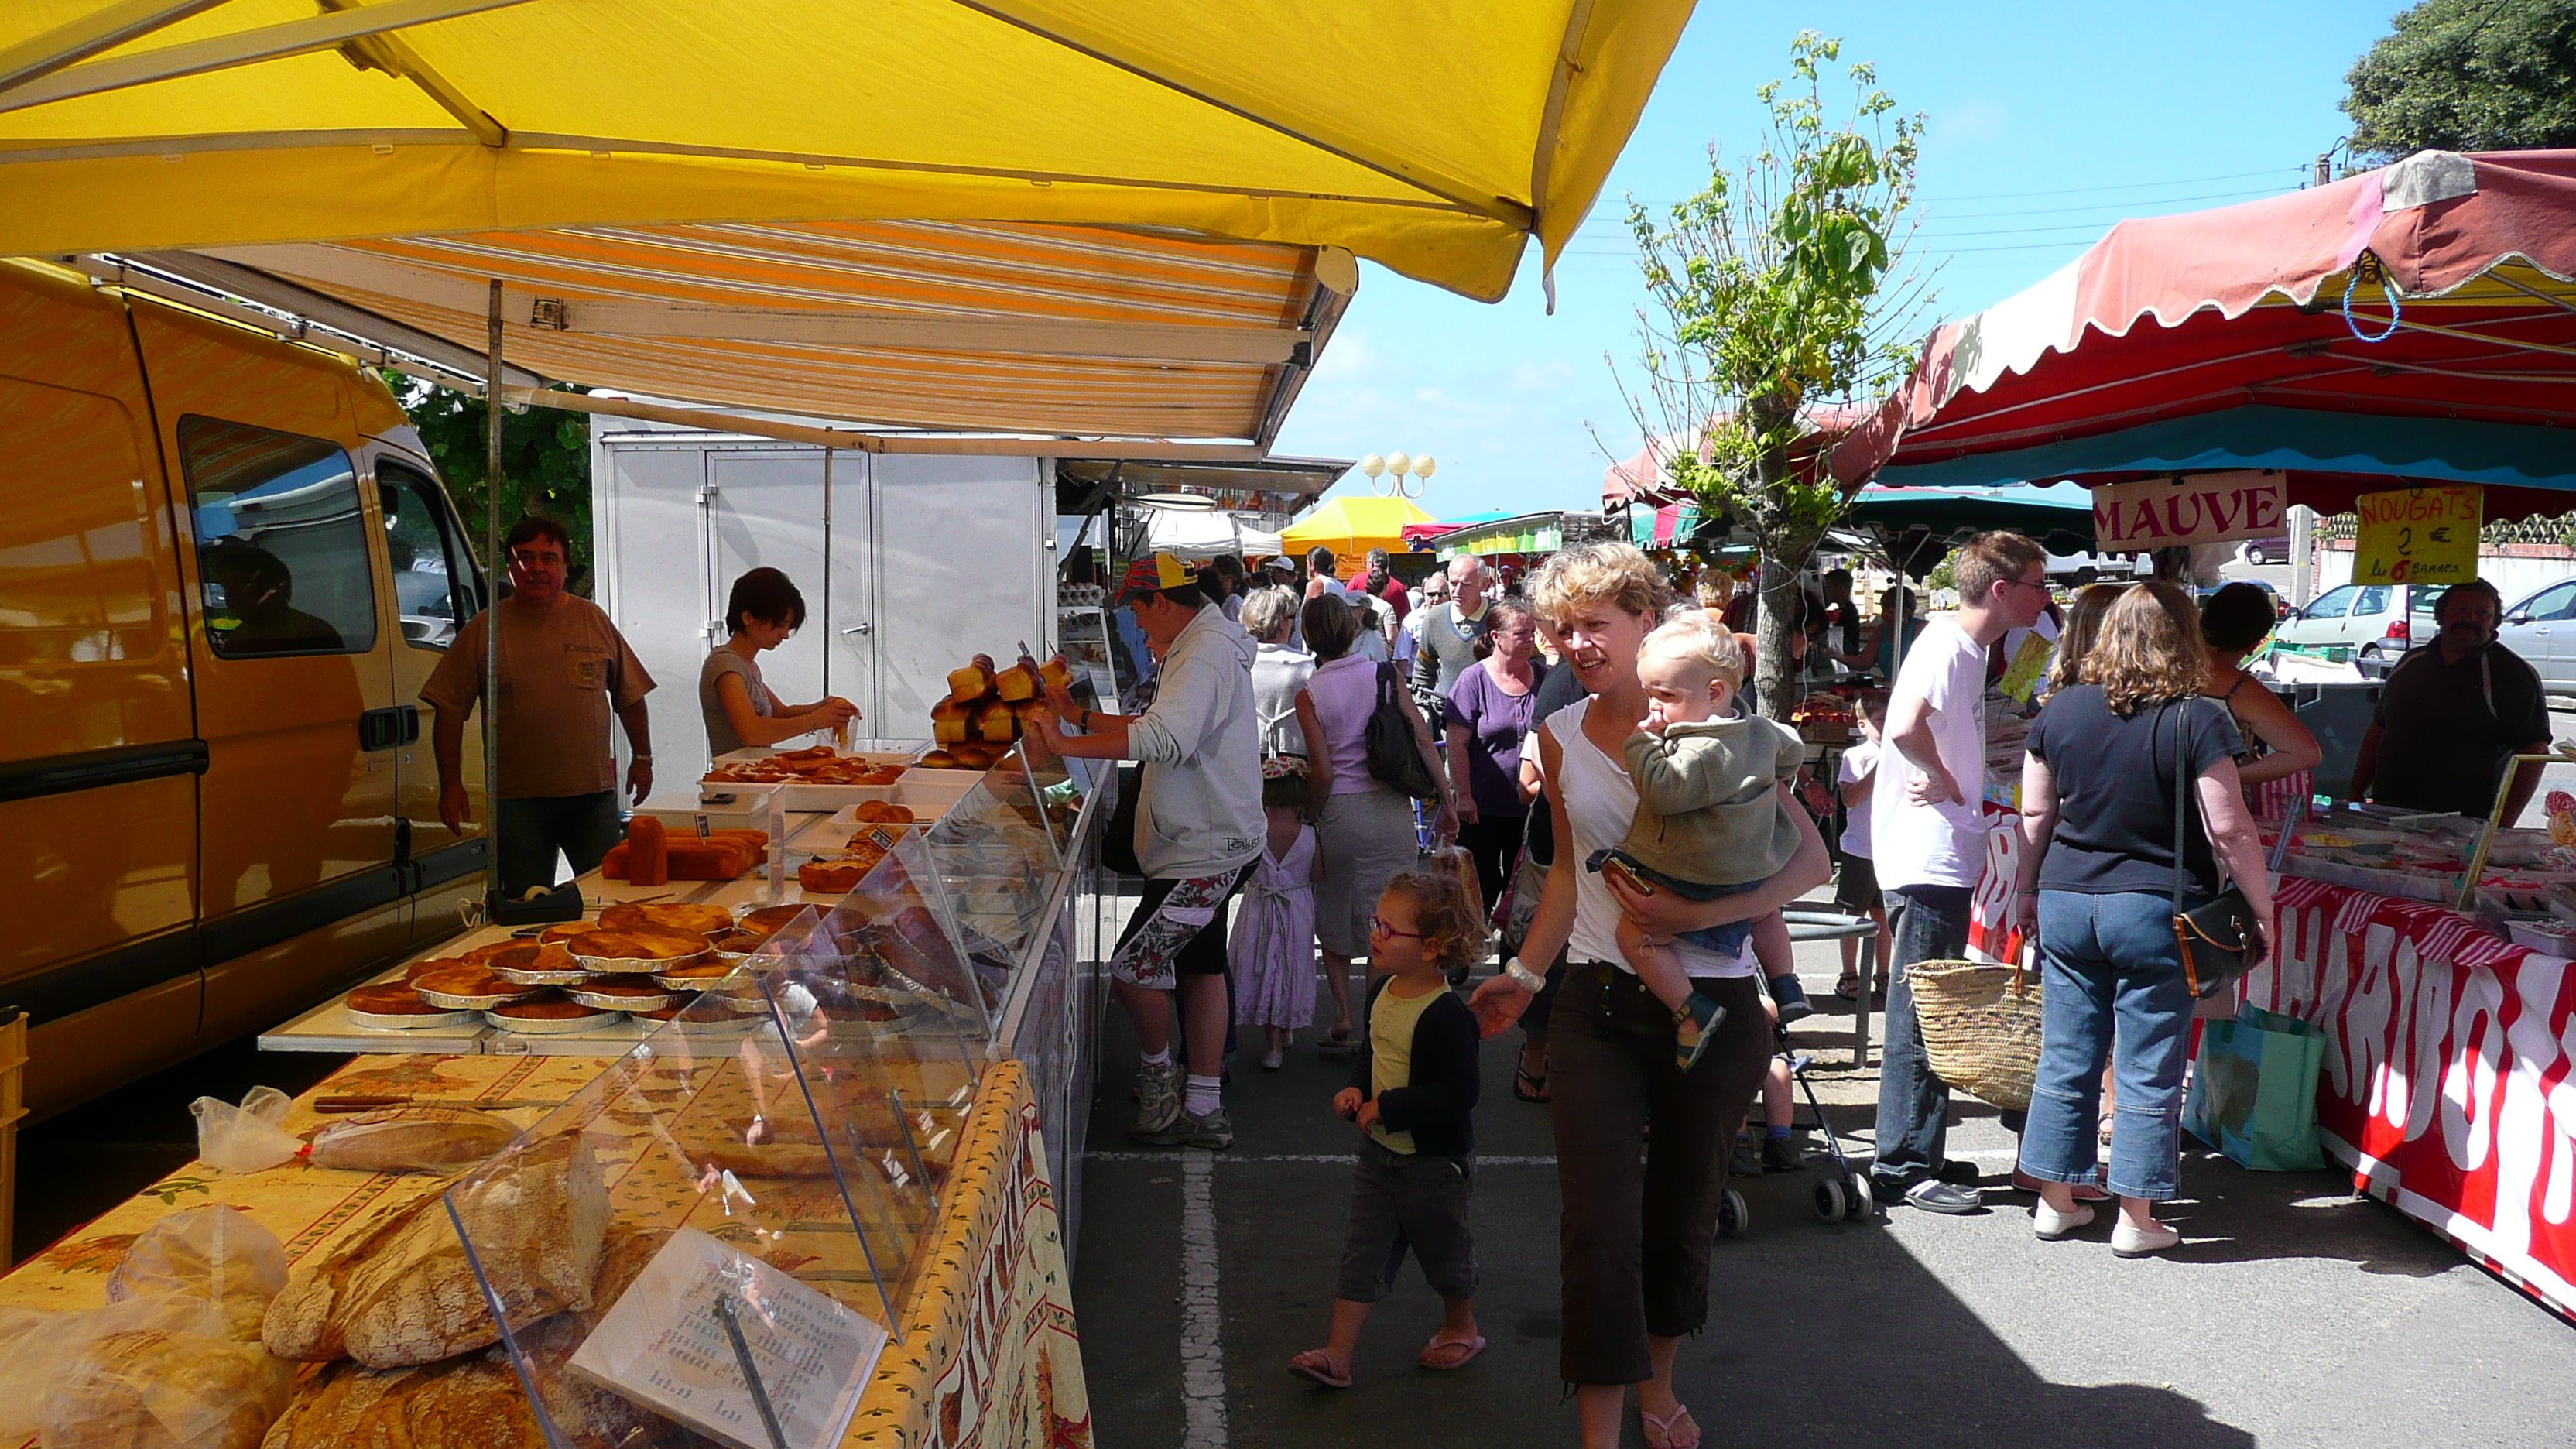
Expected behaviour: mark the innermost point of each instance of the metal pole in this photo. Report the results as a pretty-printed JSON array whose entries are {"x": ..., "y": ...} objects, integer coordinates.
[
  {"x": 827, "y": 573},
  {"x": 499, "y": 567},
  {"x": 2303, "y": 543}
]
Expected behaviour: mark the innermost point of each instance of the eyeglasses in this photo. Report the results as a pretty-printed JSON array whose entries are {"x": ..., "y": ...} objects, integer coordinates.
[
  {"x": 526, "y": 559},
  {"x": 1378, "y": 923}
]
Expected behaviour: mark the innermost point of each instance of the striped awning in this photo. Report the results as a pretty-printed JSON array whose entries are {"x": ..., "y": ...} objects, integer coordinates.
[{"x": 952, "y": 326}]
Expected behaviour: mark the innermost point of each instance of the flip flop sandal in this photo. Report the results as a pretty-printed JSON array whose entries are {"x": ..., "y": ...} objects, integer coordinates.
[
  {"x": 1665, "y": 1433},
  {"x": 1449, "y": 1353},
  {"x": 1316, "y": 1367},
  {"x": 1526, "y": 1088},
  {"x": 1847, "y": 989}
]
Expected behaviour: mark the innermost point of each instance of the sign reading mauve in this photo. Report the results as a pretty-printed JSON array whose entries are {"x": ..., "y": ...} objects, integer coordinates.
[{"x": 2197, "y": 508}]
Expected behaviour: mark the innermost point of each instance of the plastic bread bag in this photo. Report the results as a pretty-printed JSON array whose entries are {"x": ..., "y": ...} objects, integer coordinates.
[
  {"x": 38, "y": 1348},
  {"x": 159, "y": 1388},
  {"x": 410, "y": 1139},
  {"x": 246, "y": 1138},
  {"x": 212, "y": 1257}
]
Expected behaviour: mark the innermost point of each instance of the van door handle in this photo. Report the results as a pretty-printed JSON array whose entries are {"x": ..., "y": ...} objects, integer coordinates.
[
  {"x": 387, "y": 728},
  {"x": 860, "y": 629}
]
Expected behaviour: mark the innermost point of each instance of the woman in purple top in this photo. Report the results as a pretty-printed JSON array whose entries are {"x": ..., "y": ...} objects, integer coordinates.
[{"x": 1490, "y": 709}]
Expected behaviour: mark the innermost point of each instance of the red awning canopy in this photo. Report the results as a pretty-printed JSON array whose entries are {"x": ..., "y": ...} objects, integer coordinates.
[{"x": 2416, "y": 322}]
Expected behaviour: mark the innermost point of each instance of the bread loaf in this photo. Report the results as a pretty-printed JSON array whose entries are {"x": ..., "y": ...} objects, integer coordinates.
[
  {"x": 152, "y": 1389},
  {"x": 972, "y": 682},
  {"x": 1056, "y": 672},
  {"x": 648, "y": 859},
  {"x": 1016, "y": 683},
  {"x": 471, "y": 1401},
  {"x": 410, "y": 1139},
  {"x": 398, "y": 1291}
]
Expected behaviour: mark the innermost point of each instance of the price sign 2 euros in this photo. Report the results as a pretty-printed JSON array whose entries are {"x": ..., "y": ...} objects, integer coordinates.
[{"x": 2418, "y": 535}]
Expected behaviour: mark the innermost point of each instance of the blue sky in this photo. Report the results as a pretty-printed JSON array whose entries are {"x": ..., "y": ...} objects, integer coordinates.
[{"x": 2048, "y": 122}]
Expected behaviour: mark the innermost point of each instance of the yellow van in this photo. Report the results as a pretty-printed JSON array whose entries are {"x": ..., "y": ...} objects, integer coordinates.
[{"x": 226, "y": 568}]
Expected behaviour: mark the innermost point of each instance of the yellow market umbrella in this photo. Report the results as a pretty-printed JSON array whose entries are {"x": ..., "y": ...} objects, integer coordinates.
[
  {"x": 1431, "y": 136},
  {"x": 1350, "y": 527}
]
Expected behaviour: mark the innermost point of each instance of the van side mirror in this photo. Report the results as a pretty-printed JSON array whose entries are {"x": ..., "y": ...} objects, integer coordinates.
[{"x": 2518, "y": 616}]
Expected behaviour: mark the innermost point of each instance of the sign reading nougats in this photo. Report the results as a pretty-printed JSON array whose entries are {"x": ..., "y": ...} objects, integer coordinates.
[{"x": 2195, "y": 508}]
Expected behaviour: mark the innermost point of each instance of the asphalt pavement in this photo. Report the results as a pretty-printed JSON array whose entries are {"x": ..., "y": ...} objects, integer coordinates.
[{"x": 2294, "y": 1314}]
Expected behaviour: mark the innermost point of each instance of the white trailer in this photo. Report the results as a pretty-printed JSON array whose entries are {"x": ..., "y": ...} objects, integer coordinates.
[{"x": 909, "y": 563}]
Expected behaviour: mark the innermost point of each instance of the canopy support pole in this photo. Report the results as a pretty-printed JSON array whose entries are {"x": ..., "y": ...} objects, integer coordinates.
[
  {"x": 1148, "y": 449},
  {"x": 499, "y": 567}
]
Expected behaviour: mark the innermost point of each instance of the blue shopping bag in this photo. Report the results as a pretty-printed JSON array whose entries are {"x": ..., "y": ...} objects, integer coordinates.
[{"x": 2254, "y": 1091}]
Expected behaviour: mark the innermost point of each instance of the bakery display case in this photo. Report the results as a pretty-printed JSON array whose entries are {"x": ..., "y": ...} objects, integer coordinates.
[{"x": 716, "y": 1234}]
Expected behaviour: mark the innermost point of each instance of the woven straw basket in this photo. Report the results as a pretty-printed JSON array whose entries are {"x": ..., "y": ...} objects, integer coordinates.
[{"x": 1980, "y": 1027}]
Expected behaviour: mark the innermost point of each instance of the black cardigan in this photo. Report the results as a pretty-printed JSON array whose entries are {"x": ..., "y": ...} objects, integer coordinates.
[{"x": 1438, "y": 1101}]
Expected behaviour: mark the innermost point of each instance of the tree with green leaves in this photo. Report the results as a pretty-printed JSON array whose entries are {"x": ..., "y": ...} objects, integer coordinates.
[
  {"x": 2467, "y": 75},
  {"x": 1779, "y": 315},
  {"x": 545, "y": 460}
]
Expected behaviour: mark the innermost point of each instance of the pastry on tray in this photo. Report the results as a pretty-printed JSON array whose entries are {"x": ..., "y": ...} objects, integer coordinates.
[
  {"x": 870, "y": 811},
  {"x": 769, "y": 920},
  {"x": 667, "y": 916},
  {"x": 630, "y": 994},
  {"x": 833, "y": 877},
  {"x": 394, "y": 1006},
  {"x": 550, "y": 1013},
  {"x": 469, "y": 988},
  {"x": 531, "y": 964},
  {"x": 635, "y": 948}
]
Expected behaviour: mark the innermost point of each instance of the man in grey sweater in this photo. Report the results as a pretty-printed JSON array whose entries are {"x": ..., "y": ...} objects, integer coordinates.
[
  {"x": 1199, "y": 829},
  {"x": 1449, "y": 635}
]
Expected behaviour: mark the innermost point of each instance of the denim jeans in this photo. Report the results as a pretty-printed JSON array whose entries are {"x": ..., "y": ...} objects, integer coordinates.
[
  {"x": 2106, "y": 961},
  {"x": 1913, "y": 1104}
]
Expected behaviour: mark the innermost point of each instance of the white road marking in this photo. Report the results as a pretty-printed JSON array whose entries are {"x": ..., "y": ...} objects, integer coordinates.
[{"x": 1202, "y": 1320}]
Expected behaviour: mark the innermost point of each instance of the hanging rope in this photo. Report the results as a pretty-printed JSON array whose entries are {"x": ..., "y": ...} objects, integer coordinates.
[{"x": 2368, "y": 263}]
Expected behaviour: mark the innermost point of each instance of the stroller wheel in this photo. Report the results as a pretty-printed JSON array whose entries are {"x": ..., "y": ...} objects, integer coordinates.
[
  {"x": 1831, "y": 1201},
  {"x": 1864, "y": 1203},
  {"x": 1732, "y": 1215}
]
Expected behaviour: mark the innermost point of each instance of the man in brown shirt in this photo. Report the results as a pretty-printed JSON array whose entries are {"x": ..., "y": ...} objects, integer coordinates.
[{"x": 564, "y": 670}]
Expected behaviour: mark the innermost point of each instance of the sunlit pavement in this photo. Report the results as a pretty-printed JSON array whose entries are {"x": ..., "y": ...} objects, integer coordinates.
[{"x": 2294, "y": 1314}]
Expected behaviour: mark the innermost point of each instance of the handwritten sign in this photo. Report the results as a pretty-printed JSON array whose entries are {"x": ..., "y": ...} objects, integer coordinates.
[
  {"x": 2418, "y": 535},
  {"x": 2198, "y": 508},
  {"x": 663, "y": 1346}
]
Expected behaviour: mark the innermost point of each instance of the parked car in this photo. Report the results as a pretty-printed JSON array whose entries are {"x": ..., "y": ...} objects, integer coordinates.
[
  {"x": 2266, "y": 550},
  {"x": 226, "y": 569},
  {"x": 2370, "y": 624},
  {"x": 2542, "y": 629}
]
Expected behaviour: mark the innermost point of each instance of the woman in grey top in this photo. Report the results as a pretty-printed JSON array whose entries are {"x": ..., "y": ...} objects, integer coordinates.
[
  {"x": 740, "y": 709},
  {"x": 1279, "y": 670}
]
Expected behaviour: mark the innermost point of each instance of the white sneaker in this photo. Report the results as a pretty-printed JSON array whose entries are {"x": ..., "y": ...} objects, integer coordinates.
[
  {"x": 2129, "y": 1242},
  {"x": 1272, "y": 1061},
  {"x": 2052, "y": 1225}
]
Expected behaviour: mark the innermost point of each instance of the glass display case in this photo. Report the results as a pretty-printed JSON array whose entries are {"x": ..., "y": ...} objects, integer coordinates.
[{"x": 717, "y": 1233}]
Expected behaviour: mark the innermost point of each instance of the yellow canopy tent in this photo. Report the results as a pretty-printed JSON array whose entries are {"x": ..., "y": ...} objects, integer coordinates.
[
  {"x": 1350, "y": 527},
  {"x": 1433, "y": 137}
]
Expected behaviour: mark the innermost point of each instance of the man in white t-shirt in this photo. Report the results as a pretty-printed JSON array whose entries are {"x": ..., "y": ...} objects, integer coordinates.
[{"x": 1928, "y": 844}]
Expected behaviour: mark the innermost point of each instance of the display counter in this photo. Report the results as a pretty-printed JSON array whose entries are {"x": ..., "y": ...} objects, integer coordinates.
[
  {"x": 2448, "y": 1062},
  {"x": 878, "y": 1108}
]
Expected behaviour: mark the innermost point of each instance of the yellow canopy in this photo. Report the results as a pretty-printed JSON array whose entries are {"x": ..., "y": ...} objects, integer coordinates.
[
  {"x": 1350, "y": 527},
  {"x": 1430, "y": 135}
]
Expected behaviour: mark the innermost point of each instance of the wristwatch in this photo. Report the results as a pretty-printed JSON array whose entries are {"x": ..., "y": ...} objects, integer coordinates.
[
  {"x": 1085, "y": 721},
  {"x": 1523, "y": 977}
]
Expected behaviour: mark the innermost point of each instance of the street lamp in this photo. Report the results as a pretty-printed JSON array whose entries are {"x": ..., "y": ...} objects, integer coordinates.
[{"x": 1404, "y": 474}]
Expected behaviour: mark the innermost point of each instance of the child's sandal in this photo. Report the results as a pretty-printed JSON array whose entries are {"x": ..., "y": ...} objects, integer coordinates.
[{"x": 1316, "y": 1366}]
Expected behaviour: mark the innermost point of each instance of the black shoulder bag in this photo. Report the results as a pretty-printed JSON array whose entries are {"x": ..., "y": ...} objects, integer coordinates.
[
  {"x": 2217, "y": 942},
  {"x": 1394, "y": 756}
]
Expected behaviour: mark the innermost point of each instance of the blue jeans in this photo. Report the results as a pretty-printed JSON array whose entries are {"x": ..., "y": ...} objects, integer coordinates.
[
  {"x": 2106, "y": 961},
  {"x": 1913, "y": 1104}
]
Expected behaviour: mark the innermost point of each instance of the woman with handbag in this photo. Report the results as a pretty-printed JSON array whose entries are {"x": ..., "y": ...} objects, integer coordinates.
[
  {"x": 1359, "y": 720},
  {"x": 2130, "y": 809},
  {"x": 1487, "y": 714}
]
